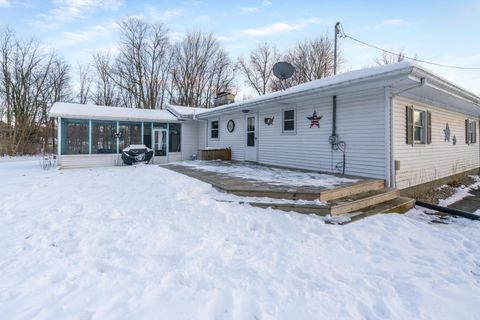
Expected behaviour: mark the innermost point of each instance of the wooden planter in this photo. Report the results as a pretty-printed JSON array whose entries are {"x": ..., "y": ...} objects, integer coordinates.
[{"x": 215, "y": 154}]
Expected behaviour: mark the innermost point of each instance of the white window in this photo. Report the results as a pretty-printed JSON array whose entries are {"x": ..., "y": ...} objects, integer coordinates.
[
  {"x": 471, "y": 131},
  {"x": 214, "y": 129},
  {"x": 289, "y": 120},
  {"x": 419, "y": 126}
]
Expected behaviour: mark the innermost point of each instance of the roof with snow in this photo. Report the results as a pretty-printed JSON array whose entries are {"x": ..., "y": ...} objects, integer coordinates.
[
  {"x": 404, "y": 68},
  {"x": 185, "y": 112},
  {"x": 89, "y": 111}
]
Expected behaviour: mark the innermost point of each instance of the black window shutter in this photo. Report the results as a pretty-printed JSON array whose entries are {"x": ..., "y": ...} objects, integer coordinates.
[
  {"x": 409, "y": 126},
  {"x": 474, "y": 132},
  {"x": 429, "y": 127},
  {"x": 466, "y": 132}
]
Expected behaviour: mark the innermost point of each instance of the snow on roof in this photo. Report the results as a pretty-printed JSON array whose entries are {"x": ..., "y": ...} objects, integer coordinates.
[
  {"x": 325, "y": 82},
  {"x": 88, "y": 111},
  {"x": 186, "y": 111}
]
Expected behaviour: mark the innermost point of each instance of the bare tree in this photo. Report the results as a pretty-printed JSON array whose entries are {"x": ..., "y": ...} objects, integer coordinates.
[
  {"x": 312, "y": 59},
  {"x": 30, "y": 81},
  {"x": 105, "y": 90},
  {"x": 85, "y": 84},
  {"x": 201, "y": 69},
  {"x": 142, "y": 67},
  {"x": 388, "y": 58},
  {"x": 58, "y": 89},
  {"x": 24, "y": 77},
  {"x": 258, "y": 70}
]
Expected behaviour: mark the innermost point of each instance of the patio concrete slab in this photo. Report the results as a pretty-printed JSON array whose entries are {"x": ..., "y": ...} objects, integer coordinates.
[{"x": 469, "y": 204}]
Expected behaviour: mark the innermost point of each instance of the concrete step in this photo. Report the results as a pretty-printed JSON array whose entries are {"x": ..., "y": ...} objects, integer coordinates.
[
  {"x": 362, "y": 200},
  {"x": 341, "y": 192},
  {"x": 397, "y": 205}
]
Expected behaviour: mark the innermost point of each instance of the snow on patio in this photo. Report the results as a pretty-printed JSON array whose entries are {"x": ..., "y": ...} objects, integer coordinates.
[
  {"x": 271, "y": 175},
  {"x": 144, "y": 242}
]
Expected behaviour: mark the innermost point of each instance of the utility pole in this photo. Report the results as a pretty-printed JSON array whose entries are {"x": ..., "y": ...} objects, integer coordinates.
[{"x": 337, "y": 31}]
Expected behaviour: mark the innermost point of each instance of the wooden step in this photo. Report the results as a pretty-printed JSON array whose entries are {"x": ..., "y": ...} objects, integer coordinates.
[
  {"x": 397, "y": 205},
  {"x": 351, "y": 190},
  {"x": 293, "y": 195},
  {"x": 362, "y": 200},
  {"x": 300, "y": 208}
]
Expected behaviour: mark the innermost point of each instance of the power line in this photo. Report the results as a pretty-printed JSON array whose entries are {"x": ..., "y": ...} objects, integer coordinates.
[{"x": 344, "y": 35}]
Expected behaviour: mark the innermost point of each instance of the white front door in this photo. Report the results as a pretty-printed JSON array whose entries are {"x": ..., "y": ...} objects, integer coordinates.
[
  {"x": 159, "y": 142},
  {"x": 251, "y": 138}
]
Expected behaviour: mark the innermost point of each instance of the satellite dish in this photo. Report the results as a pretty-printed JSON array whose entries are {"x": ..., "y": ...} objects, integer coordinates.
[{"x": 283, "y": 70}]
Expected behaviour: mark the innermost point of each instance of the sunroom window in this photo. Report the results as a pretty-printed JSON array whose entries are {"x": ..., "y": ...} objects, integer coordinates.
[
  {"x": 174, "y": 137},
  {"x": 103, "y": 136},
  {"x": 75, "y": 136}
]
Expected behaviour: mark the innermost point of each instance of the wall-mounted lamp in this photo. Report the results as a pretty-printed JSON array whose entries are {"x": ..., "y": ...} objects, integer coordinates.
[{"x": 245, "y": 111}]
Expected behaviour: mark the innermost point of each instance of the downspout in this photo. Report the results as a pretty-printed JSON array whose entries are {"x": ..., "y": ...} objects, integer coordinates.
[
  {"x": 334, "y": 117},
  {"x": 391, "y": 178},
  {"x": 389, "y": 161}
]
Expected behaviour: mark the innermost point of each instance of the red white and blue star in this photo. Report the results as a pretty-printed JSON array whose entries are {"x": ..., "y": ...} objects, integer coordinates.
[{"x": 314, "y": 119}]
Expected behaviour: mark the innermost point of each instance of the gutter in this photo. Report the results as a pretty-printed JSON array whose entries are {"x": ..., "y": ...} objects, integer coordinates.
[{"x": 442, "y": 84}]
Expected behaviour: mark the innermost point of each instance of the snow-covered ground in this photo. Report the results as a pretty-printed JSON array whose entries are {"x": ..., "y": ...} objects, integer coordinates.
[
  {"x": 271, "y": 175},
  {"x": 143, "y": 242}
]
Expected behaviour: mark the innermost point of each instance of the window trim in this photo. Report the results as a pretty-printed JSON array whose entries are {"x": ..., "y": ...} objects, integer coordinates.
[
  {"x": 294, "y": 131},
  {"x": 218, "y": 129},
  {"x": 424, "y": 126}
]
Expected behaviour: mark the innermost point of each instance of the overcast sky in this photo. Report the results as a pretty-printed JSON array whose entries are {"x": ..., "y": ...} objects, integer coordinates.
[{"x": 440, "y": 31}]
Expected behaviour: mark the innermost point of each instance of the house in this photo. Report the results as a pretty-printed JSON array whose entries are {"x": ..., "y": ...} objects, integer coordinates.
[{"x": 398, "y": 122}]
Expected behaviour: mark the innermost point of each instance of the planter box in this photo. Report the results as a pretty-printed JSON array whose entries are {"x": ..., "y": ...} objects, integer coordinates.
[{"x": 215, "y": 154}]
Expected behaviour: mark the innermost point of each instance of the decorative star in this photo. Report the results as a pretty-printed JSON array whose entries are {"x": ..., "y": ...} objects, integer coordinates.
[
  {"x": 447, "y": 133},
  {"x": 315, "y": 120}
]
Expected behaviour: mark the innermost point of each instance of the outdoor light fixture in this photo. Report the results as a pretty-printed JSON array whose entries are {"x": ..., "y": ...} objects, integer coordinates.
[{"x": 245, "y": 111}]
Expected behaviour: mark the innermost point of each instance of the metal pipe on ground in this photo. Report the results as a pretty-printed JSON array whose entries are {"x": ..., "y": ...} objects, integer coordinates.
[{"x": 450, "y": 211}]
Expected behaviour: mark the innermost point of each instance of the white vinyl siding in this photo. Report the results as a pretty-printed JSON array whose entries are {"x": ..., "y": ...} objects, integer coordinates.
[
  {"x": 189, "y": 139},
  {"x": 202, "y": 133},
  {"x": 360, "y": 123},
  {"x": 88, "y": 160},
  {"x": 427, "y": 162},
  {"x": 235, "y": 140}
]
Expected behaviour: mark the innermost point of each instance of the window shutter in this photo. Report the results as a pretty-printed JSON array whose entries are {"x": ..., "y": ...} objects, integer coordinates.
[
  {"x": 474, "y": 131},
  {"x": 466, "y": 132},
  {"x": 409, "y": 126},
  {"x": 429, "y": 127}
]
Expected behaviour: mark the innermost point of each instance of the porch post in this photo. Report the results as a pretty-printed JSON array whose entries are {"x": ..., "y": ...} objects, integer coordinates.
[
  {"x": 168, "y": 142},
  {"x": 118, "y": 138},
  {"x": 89, "y": 136},
  {"x": 142, "y": 132},
  {"x": 59, "y": 136}
]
